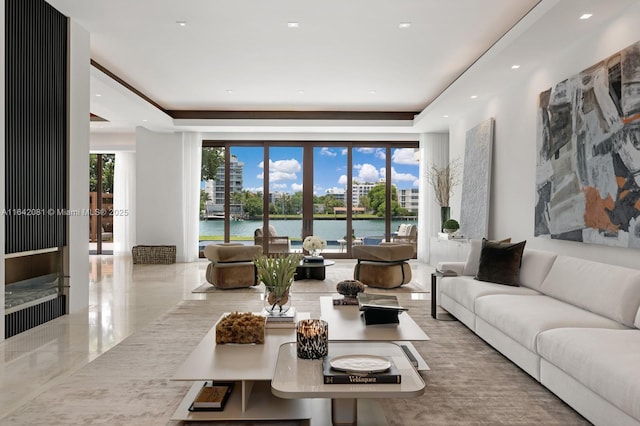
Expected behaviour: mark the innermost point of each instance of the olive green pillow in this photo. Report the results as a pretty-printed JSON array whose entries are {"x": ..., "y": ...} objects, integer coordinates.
[{"x": 500, "y": 262}]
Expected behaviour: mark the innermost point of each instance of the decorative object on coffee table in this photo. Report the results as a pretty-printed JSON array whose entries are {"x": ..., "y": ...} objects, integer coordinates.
[
  {"x": 277, "y": 273},
  {"x": 312, "y": 338},
  {"x": 240, "y": 328},
  {"x": 350, "y": 288},
  {"x": 314, "y": 244}
]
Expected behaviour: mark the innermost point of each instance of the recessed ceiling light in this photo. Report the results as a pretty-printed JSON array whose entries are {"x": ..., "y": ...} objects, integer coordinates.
[
  {"x": 515, "y": 67},
  {"x": 474, "y": 96},
  {"x": 293, "y": 24},
  {"x": 229, "y": 91},
  {"x": 445, "y": 116},
  {"x": 182, "y": 23},
  {"x": 144, "y": 121},
  {"x": 98, "y": 95},
  {"x": 404, "y": 25},
  {"x": 372, "y": 92},
  {"x": 586, "y": 16},
  {"x": 300, "y": 92}
]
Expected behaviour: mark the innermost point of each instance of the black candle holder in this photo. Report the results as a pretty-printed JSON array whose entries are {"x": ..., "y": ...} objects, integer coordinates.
[{"x": 312, "y": 338}]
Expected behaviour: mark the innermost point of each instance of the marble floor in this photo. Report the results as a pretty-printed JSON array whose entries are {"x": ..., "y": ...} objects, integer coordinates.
[{"x": 123, "y": 298}]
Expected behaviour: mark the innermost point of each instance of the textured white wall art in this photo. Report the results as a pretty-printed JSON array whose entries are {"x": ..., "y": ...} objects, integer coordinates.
[
  {"x": 476, "y": 181},
  {"x": 588, "y": 154}
]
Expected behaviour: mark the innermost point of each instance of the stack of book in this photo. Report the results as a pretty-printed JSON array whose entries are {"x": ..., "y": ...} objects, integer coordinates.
[
  {"x": 340, "y": 299},
  {"x": 389, "y": 373},
  {"x": 285, "y": 320},
  {"x": 379, "y": 308},
  {"x": 212, "y": 396}
]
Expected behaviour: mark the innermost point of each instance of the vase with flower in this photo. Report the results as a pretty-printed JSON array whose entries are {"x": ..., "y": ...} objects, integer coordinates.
[
  {"x": 314, "y": 244},
  {"x": 277, "y": 273}
]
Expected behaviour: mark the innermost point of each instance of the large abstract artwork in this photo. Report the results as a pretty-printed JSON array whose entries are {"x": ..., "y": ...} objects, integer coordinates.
[
  {"x": 476, "y": 181},
  {"x": 588, "y": 149}
]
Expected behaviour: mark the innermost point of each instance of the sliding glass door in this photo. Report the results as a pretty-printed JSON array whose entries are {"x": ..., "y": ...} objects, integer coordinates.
[{"x": 275, "y": 193}]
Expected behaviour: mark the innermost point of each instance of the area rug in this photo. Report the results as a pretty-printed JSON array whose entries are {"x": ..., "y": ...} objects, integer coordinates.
[{"x": 469, "y": 382}]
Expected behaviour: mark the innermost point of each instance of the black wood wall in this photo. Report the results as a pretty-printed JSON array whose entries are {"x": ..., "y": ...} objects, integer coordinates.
[{"x": 36, "y": 126}]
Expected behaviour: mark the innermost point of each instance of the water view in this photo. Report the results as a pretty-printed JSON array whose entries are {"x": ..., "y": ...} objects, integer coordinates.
[{"x": 330, "y": 230}]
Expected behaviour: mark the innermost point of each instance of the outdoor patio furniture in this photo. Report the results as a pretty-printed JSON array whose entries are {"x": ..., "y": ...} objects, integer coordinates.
[
  {"x": 277, "y": 243},
  {"x": 383, "y": 266},
  {"x": 232, "y": 265}
]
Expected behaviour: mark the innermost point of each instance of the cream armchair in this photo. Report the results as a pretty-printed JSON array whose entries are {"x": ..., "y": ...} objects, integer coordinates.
[
  {"x": 232, "y": 265},
  {"x": 277, "y": 244}
]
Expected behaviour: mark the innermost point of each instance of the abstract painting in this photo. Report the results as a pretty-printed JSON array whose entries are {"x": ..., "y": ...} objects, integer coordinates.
[
  {"x": 588, "y": 155},
  {"x": 476, "y": 181}
]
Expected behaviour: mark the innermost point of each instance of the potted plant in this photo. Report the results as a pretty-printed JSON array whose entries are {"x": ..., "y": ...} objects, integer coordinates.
[
  {"x": 277, "y": 273},
  {"x": 444, "y": 179},
  {"x": 451, "y": 226}
]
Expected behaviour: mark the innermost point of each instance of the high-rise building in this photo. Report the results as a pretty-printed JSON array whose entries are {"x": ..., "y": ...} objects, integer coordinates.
[{"x": 408, "y": 199}]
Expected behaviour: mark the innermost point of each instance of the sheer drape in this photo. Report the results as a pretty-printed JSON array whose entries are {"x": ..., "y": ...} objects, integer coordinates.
[
  {"x": 124, "y": 198},
  {"x": 192, "y": 158}
]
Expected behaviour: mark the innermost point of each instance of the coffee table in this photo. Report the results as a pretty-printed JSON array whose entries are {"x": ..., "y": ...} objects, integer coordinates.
[
  {"x": 251, "y": 368},
  {"x": 346, "y": 324},
  {"x": 302, "y": 378},
  {"x": 312, "y": 270}
]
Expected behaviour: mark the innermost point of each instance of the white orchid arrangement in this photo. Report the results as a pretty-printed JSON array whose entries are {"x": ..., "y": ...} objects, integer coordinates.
[{"x": 314, "y": 243}]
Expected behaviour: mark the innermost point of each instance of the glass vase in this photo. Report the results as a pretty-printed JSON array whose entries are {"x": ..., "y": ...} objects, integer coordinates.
[
  {"x": 277, "y": 301},
  {"x": 445, "y": 213}
]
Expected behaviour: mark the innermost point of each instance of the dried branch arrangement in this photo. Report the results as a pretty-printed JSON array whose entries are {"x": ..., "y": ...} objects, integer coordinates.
[{"x": 444, "y": 180}]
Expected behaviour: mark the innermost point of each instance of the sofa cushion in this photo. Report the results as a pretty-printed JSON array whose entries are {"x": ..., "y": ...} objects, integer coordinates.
[
  {"x": 523, "y": 317},
  {"x": 605, "y": 361},
  {"x": 473, "y": 256},
  {"x": 384, "y": 253},
  {"x": 500, "y": 262},
  {"x": 465, "y": 290},
  {"x": 608, "y": 290},
  {"x": 231, "y": 252},
  {"x": 535, "y": 267}
]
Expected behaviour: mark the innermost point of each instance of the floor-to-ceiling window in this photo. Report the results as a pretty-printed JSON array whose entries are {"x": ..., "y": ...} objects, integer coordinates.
[
  {"x": 101, "y": 172},
  {"x": 348, "y": 193}
]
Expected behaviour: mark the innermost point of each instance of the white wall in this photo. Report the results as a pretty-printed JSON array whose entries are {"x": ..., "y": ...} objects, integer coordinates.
[
  {"x": 165, "y": 184},
  {"x": 78, "y": 171},
  {"x": 514, "y": 154}
]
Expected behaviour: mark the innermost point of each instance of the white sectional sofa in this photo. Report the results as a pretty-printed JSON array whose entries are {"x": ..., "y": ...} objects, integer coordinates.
[{"x": 572, "y": 324}]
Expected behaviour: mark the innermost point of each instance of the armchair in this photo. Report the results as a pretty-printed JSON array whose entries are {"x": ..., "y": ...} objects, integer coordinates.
[
  {"x": 277, "y": 244},
  {"x": 232, "y": 265},
  {"x": 383, "y": 266}
]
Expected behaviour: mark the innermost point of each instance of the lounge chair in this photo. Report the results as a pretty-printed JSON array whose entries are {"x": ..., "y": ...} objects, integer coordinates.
[{"x": 277, "y": 244}]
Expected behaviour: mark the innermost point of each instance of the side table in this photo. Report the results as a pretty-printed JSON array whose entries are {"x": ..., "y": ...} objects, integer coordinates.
[{"x": 442, "y": 316}]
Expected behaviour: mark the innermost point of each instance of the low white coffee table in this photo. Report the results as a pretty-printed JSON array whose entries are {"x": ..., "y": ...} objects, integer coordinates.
[
  {"x": 346, "y": 324},
  {"x": 251, "y": 368},
  {"x": 296, "y": 378}
]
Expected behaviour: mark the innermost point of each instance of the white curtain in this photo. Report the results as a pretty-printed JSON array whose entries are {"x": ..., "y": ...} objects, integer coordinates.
[
  {"x": 434, "y": 149},
  {"x": 192, "y": 158},
  {"x": 124, "y": 198}
]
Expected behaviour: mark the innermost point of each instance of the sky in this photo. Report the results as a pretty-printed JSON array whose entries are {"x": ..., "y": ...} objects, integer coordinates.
[{"x": 329, "y": 170}]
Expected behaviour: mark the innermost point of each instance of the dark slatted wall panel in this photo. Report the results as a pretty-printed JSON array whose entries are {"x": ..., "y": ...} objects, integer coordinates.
[
  {"x": 33, "y": 316},
  {"x": 36, "y": 125}
]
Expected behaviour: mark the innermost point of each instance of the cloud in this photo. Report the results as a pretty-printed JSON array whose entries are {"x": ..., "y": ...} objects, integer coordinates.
[
  {"x": 378, "y": 152},
  {"x": 296, "y": 187},
  {"x": 368, "y": 173},
  {"x": 334, "y": 190},
  {"x": 342, "y": 180},
  {"x": 357, "y": 166},
  {"x": 404, "y": 156},
  {"x": 400, "y": 177},
  {"x": 327, "y": 151},
  {"x": 254, "y": 190},
  {"x": 281, "y": 170},
  {"x": 344, "y": 151},
  {"x": 279, "y": 186}
]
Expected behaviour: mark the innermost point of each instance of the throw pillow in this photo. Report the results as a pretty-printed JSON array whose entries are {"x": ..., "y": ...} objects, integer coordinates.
[
  {"x": 473, "y": 257},
  {"x": 500, "y": 262}
]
